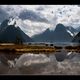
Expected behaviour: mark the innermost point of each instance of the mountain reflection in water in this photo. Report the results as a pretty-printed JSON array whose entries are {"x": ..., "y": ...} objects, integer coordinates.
[{"x": 60, "y": 63}]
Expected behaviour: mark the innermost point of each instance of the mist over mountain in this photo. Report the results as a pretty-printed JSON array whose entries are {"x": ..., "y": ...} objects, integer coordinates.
[
  {"x": 10, "y": 33},
  {"x": 60, "y": 34}
]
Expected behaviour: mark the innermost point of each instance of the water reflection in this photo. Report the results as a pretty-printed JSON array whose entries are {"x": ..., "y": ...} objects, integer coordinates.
[
  {"x": 60, "y": 56},
  {"x": 55, "y": 63}
]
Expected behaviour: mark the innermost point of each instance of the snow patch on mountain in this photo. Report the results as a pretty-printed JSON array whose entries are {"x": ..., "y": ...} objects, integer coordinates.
[
  {"x": 70, "y": 33},
  {"x": 12, "y": 21}
]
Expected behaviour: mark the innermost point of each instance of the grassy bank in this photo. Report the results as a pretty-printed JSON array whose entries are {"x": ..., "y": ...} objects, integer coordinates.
[{"x": 25, "y": 48}]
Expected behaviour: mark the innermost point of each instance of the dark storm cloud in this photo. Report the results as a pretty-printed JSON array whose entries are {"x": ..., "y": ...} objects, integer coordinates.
[
  {"x": 3, "y": 15},
  {"x": 33, "y": 16}
]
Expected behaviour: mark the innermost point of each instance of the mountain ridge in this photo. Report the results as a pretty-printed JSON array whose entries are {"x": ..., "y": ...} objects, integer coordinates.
[{"x": 60, "y": 34}]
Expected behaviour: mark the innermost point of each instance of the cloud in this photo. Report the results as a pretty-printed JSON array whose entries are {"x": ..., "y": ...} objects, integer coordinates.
[
  {"x": 31, "y": 15},
  {"x": 34, "y": 19},
  {"x": 3, "y": 15},
  {"x": 40, "y": 8},
  {"x": 31, "y": 28}
]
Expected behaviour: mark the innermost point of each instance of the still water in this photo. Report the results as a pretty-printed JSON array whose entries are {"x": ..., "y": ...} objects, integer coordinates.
[
  {"x": 52, "y": 64},
  {"x": 57, "y": 63}
]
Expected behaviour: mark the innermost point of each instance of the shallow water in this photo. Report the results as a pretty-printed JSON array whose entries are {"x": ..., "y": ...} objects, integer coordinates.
[{"x": 59, "y": 63}]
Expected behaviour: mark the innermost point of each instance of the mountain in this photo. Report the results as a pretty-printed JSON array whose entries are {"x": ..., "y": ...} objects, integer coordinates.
[
  {"x": 4, "y": 25},
  {"x": 25, "y": 37},
  {"x": 76, "y": 39},
  {"x": 60, "y": 34},
  {"x": 12, "y": 34},
  {"x": 78, "y": 29},
  {"x": 43, "y": 37},
  {"x": 71, "y": 30}
]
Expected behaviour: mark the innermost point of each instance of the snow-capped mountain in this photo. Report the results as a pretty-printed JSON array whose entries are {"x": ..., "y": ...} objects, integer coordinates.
[
  {"x": 76, "y": 39},
  {"x": 71, "y": 30},
  {"x": 60, "y": 34},
  {"x": 10, "y": 33}
]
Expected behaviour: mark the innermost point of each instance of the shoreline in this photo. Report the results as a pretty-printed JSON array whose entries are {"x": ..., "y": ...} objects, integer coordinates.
[{"x": 25, "y": 48}]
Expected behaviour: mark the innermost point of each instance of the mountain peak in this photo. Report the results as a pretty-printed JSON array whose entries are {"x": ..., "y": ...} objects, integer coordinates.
[
  {"x": 9, "y": 33},
  {"x": 60, "y": 34},
  {"x": 60, "y": 24},
  {"x": 60, "y": 27},
  {"x": 47, "y": 30}
]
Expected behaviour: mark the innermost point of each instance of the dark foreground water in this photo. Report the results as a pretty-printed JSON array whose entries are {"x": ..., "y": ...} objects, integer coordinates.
[{"x": 59, "y": 63}]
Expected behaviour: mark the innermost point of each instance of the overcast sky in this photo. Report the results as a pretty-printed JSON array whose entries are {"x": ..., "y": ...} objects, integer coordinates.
[{"x": 34, "y": 19}]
